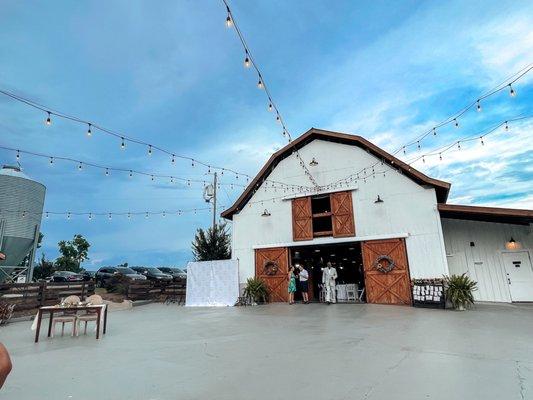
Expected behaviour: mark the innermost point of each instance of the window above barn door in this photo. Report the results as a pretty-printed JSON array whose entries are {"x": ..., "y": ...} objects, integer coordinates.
[{"x": 323, "y": 215}]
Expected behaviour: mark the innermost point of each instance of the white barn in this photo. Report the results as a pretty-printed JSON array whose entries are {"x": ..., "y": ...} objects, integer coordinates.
[{"x": 391, "y": 214}]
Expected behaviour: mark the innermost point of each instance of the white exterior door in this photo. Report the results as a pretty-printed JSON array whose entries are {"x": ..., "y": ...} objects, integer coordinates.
[{"x": 519, "y": 275}]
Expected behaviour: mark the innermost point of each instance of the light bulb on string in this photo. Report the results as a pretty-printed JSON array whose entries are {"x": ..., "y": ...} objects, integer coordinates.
[
  {"x": 440, "y": 156},
  {"x": 247, "y": 60},
  {"x": 152, "y": 177},
  {"x": 122, "y": 144},
  {"x": 90, "y": 216},
  {"x": 458, "y": 145},
  {"x": 129, "y": 215},
  {"x": 482, "y": 142},
  {"x": 478, "y": 106},
  {"x": 423, "y": 159},
  {"x": 512, "y": 92},
  {"x": 456, "y": 123},
  {"x": 80, "y": 166},
  {"x": 404, "y": 153},
  {"x": 278, "y": 118},
  {"x": 51, "y": 160},
  {"x": 506, "y": 126},
  {"x": 49, "y": 118},
  {"x": 260, "y": 83},
  {"x": 107, "y": 172},
  {"x": 109, "y": 216},
  {"x": 47, "y": 215},
  {"x": 23, "y": 214},
  {"x": 173, "y": 158},
  {"x": 229, "y": 20},
  {"x": 18, "y": 155},
  {"x": 418, "y": 144},
  {"x": 192, "y": 163},
  {"x": 434, "y": 131},
  {"x": 164, "y": 214},
  {"x": 171, "y": 179},
  {"x": 68, "y": 215},
  {"x": 131, "y": 173},
  {"x": 89, "y": 132},
  {"x": 270, "y": 107},
  {"x": 149, "y": 149}
]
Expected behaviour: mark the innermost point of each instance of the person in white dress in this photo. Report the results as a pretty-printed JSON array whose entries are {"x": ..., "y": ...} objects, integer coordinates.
[{"x": 329, "y": 277}]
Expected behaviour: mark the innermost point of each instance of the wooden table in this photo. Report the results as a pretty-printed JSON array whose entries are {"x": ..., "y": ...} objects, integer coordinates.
[{"x": 58, "y": 309}]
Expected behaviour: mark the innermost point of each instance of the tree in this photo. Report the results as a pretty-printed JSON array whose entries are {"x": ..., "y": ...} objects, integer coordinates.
[
  {"x": 43, "y": 269},
  {"x": 73, "y": 253},
  {"x": 213, "y": 244}
]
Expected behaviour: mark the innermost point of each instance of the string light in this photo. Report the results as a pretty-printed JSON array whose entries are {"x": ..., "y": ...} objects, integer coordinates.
[
  {"x": 68, "y": 215},
  {"x": 458, "y": 145},
  {"x": 89, "y": 132},
  {"x": 131, "y": 173},
  {"x": 90, "y": 216},
  {"x": 270, "y": 108},
  {"x": 51, "y": 160},
  {"x": 482, "y": 142},
  {"x": 173, "y": 159},
  {"x": 260, "y": 83},
  {"x": 506, "y": 126},
  {"x": 456, "y": 123},
  {"x": 150, "y": 150},
  {"x": 106, "y": 172},
  {"x": 440, "y": 156},
  {"x": 229, "y": 20},
  {"x": 110, "y": 216},
  {"x": 92, "y": 126},
  {"x": 80, "y": 166},
  {"x": 512, "y": 93},
  {"x": 18, "y": 155},
  {"x": 478, "y": 106},
  {"x": 247, "y": 60},
  {"x": 47, "y": 215},
  {"x": 434, "y": 131},
  {"x": 23, "y": 214}
]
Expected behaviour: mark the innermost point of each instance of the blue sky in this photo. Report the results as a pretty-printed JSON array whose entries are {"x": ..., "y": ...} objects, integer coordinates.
[{"x": 171, "y": 74}]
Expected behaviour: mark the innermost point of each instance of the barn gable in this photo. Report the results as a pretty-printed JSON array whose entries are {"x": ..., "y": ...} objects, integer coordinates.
[{"x": 441, "y": 188}]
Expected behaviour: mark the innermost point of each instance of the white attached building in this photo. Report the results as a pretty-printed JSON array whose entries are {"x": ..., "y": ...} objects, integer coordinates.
[{"x": 382, "y": 224}]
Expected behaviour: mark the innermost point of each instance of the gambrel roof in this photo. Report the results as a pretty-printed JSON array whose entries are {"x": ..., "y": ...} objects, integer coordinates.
[{"x": 441, "y": 188}]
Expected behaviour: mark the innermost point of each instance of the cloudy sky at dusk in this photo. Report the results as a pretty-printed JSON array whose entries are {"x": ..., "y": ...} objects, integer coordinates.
[{"x": 170, "y": 73}]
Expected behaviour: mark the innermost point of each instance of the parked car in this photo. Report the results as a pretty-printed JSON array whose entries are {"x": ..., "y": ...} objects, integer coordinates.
[
  {"x": 105, "y": 274},
  {"x": 88, "y": 275},
  {"x": 176, "y": 273},
  {"x": 66, "y": 276},
  {"x": 153, "y": 274}
]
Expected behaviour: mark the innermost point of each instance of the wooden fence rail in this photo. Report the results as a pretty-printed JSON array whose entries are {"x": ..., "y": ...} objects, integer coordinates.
[
  {"x": 150, "y": 290},
  {"x": 28, "y": 296}
]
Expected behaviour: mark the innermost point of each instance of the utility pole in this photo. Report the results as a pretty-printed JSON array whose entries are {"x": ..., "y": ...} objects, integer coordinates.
[{"x": 214, "y": 201}]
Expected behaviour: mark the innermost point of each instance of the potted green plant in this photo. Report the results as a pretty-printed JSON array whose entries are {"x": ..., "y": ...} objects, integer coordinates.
[
  {"x": 459, "y": 290},
  {"x": 256, "y": 290}
]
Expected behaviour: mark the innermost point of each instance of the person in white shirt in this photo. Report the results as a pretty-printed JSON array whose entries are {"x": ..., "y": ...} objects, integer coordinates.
[
  {"x": 329, "y": 276},
  {"x": 304, "y": 287}
]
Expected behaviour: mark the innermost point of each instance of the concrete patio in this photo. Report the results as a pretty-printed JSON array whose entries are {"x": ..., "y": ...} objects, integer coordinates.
[{"x": 279, "y": 352}]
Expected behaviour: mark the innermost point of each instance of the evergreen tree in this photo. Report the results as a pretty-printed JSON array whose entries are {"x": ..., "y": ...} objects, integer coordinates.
[{"x": 213, "y": 244}]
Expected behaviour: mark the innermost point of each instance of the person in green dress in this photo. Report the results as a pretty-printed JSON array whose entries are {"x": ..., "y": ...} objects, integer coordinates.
[{"x": 292, "y": 284}]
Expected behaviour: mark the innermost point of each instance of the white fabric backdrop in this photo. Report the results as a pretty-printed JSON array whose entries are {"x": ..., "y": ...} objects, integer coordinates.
[{"x": 212, "y": 283}]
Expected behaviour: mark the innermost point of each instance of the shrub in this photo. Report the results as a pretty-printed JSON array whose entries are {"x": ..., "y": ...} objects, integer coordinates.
[
  {"x": 257, "y": 290},
  {"x": 459, "y": 290}
]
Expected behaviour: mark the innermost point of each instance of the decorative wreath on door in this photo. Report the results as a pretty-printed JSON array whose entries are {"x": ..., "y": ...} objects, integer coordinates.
[
  {"x": 384, "y": 264},
  {"x": 270, "y": 268}
]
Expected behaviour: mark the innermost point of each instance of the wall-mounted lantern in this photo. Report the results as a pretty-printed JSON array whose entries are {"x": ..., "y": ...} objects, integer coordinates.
[
  {"x": 513, "y": 245},
  {"x": 265, "y": 213},
  {"x": 378, "y": 200},
  {"x": 313, "y": 162}
]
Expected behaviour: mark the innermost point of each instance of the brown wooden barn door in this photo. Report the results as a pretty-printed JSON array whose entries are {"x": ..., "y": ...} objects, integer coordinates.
[
  {"x": 302, "y": 219},
  {"x": 272, "y": 266},
  {"x": 342, "y": 214},
  {"x": 386, "y": 268}
]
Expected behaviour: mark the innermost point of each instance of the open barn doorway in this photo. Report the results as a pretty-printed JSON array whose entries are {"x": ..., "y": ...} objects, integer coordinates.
[{"x": 345, "y": 257}]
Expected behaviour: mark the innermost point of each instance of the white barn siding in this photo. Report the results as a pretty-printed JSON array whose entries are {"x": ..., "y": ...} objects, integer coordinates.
[
  {"x": 408, "y": 208},
  {"x": 483, "y": 262}
]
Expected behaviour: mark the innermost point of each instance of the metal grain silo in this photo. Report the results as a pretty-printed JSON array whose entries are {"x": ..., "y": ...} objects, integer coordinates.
[{"x": 21, "y": 208}]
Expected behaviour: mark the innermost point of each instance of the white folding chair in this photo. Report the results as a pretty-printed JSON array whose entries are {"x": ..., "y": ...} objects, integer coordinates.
[{"x": 351, "y": 292}]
